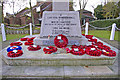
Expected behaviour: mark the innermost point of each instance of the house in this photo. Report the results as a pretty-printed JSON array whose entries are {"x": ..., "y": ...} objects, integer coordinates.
[
  {"x": 87, "y": 16},
  {"x": 24, "y": 16}
]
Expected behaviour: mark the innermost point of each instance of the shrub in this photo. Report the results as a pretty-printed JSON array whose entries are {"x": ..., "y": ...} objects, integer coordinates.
[{"x": 105, "y": 23}]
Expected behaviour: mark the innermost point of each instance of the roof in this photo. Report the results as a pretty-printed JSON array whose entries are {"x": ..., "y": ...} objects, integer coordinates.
[
  {"x": 85, "y": 11},
  {"x": 27, "y": 10}
]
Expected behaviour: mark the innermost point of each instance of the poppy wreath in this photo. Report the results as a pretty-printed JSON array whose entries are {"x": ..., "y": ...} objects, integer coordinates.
[
  {"x": 23, "y": 39},
  {"x": 83, "y": 34},
  {"x": 74, "y": 46},
  {"x": 109, "y": 53},
  {"x": 50, "y": 49},
  {"x": 92, "y": 51},
  {"x": 89, "y": 36},
  {"x": 97, "y": 43},
  {"x": 61, "y": 41},
  {"x": 15, "y": 53},
  {"x": 30, "y": 39},
  {"x": 15, "y": 44},
  {"x": 14, "y": 48},
  {"x": 104, "y": 47},
  {"x": 28, "y": 43},
  {"x": 34, "y": 48},
  {"x": 77, "y": 51},
  {"x": 92, "y": 40}
]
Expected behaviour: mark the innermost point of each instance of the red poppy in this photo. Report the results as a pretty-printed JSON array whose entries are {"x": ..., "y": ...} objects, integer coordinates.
[
  {"x": 28, "y": 43},
  {"x": 30, "y": 39},
  {"x": 109, "y": 53},
  {"x": 61, "y": 41},
  {"x": 50, "y": 49},
  {"x": 83, "y": 34},
  {"x": 97, "y": 43},
  {"x": 68, "y": 50},
  {"x": 74, "y": 46},
  {"x": 89, "y": 36},
  {"x": 81, "y": 47},
  {"x": 15, "y": 44},
  {"x": 92, "y": 40},
  {"x": 34, "y": 48},
  {"x": 24, "y": 39},
  {"x": 15, "y": 53}
]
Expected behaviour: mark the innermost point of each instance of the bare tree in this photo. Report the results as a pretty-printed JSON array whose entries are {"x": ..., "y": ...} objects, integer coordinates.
[
  {"x": 2, "y": 2},
  {"x": 16, "y": 6},
  {"x": 82, "y": 4}
]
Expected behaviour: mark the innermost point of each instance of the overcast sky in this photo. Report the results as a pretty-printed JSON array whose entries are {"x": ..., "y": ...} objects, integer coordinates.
[{"x": 88, "y": 6}]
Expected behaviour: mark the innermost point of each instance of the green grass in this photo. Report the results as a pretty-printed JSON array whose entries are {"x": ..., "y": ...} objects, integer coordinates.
[
  {"x": 97, "y": 33},
  {"x": 15, "y": 36},
  {"x": 103, "y": 34}
]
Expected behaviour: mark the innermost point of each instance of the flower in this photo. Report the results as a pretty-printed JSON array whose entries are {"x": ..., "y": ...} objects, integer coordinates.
[
  {"x": 28, "y": 43},
  {"x": 97, "y": 43},
  {"x": 15, "y": 44},
  {"x": 50, "y": 49},
  {"x": 89, "y": 36},
  {"x": 15, "y": 53},
  {"x": 109, "y": 53},
  {"x": 30, "y": 39},
  {"x": 61, "y": 41},
  {"x": 83, "y": 34},
  {"x": 68, "y": 50},
  {"x": 77, "y": 51},
  {"x": 92, "y": 40},
  {"x": 34, "y": 48},
  {"x": 23, "y": 39}
]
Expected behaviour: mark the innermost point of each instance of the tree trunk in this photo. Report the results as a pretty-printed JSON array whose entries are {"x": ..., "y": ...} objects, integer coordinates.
[
  {"x": 81, "y": 12},
  {"x": 2, "y": 14}
]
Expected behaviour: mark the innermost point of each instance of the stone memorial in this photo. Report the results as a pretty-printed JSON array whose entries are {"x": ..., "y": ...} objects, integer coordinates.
[{"x": 60, "y": 21}]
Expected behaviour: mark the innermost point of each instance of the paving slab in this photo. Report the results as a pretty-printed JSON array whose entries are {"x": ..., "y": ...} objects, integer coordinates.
[
  {"x": 99, "y": 70},
  {"x": 33, "y": 71},
  {"x": 76, "y": 71}
]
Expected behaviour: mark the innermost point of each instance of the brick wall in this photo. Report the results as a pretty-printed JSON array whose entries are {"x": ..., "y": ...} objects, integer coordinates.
[{"x": 15, "y": 20}]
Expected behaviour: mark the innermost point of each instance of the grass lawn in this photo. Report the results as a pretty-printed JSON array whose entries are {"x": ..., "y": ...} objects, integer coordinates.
[
  {"x": 103, "y": 34},
  {"x": 97, "y": 33},
  {"x": 15, "y": 36}
]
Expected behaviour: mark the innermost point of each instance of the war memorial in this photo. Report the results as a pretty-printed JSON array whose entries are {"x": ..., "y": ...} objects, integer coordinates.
[{"x": 59, "y": 51}]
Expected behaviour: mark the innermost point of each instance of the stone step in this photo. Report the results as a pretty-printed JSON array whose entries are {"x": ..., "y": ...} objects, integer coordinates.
[{"x": 56, "y": 71}]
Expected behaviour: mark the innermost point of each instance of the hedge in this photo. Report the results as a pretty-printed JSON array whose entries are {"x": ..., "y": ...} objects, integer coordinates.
[{"x": 105, "y": 23}]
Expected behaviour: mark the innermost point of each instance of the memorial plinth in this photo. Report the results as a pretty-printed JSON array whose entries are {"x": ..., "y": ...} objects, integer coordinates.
[
  {"x": 57, "y": 59},
  {"x": 60, "y": 22}
]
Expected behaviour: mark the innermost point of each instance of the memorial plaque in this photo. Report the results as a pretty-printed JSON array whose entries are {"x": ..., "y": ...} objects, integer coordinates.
[{"x": 60, "y": 22}]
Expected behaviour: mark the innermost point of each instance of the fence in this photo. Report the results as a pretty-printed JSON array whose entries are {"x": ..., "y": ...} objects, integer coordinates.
[
  {"x": 4, "y": 32},
  {"x": 114, "y": 27}
]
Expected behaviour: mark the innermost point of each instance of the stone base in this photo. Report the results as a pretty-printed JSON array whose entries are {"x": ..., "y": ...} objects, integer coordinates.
[
  {"x": 72, "y": 40},
  {"x": 60, "y": 58}
]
